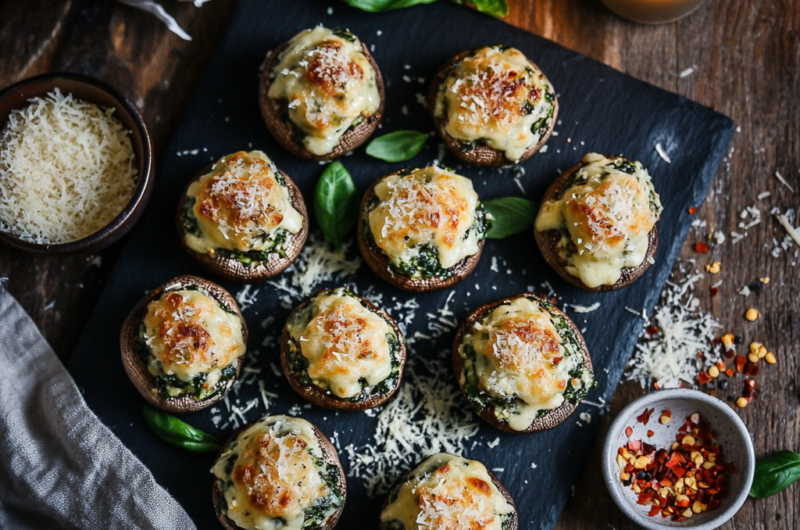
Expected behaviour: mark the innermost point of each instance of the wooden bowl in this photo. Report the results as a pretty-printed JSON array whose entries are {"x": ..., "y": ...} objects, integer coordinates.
[
  {"x": 379, "y": 262},
  {"x": 273, "y": 109},
  {"x": 548, "y": 243},
  {"x": 231, "y": 268},
  {"x": 323, "y": 398},
  {"x": 88, "y": 89},
  {"x": 481, "y": 155},
  {"x": 141, "y": 377},
  {"x": 330, "y": 456},
  {"x": 554, "y": 417},
  {"x": 513, "y": 523}
]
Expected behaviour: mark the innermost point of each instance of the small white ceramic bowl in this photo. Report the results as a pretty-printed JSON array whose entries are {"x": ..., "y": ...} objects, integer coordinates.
[{"x": 732, "y": 435}]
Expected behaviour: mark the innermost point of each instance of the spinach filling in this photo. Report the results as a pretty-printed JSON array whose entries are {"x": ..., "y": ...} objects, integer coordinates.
[
  {"x": 298, "y": 364},
  {"x": 274, "y": 242},
  {"x": 426, "y": 263},
  {"x": 504, "y": 406}
]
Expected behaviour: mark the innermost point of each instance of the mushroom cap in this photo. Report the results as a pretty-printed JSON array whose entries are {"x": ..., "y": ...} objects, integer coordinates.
[
  {"x": 481, "y": 155},
  {"x": 379, "y": 262},
  {"x": 272, "y": 111},
  {"x": 138, "y": 373},
  {"x": 323, "y": 398},
  {"x": 513, "y": 523},
  {"x": 234, "y": 270},
  {"x": 548, "y": 245},
  {"x": 330, "y": 456},
  {"x": 554, "y": 417}
]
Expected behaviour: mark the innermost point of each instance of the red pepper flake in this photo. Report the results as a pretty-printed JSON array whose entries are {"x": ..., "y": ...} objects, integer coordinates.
[
  {"x": 703, "y": 378},
  {"x": 750, "y": 383},
  {"x": 557, "y": 360},
  {"x": 713, "y": 391},
  {"x": 752, "y": 369},
  {"x": 714, "y": 291},
  {"x": 628, "y": 431},
  {"x": 692, "y": 210},
  {"x": 730, "y": 354},
  {"x": 701, "y": 247},
  {"x": 678, "y": 483},
  {"x": 650, "y": 434},
  {"x": 652, "y": 330},
  {"x": 729, "y": 372},
  {"x": 655, "y": 385},
  {"x": 644, "y": 417},
  {"x": 720, "y": 364},
  {"x": 740, "y": 362}
]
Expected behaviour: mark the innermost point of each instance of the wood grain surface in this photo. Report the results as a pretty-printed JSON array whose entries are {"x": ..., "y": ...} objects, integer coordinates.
[{"x": 746, "y": 61}]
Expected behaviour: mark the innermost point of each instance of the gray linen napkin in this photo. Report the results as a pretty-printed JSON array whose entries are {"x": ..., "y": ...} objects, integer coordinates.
[{"x": 60, "y": 467}]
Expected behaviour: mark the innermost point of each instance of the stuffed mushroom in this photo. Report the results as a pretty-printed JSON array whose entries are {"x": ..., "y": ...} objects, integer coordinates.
[
  {"x": 493, "y": 106},
  {"x": 321, "y": 93},
  {"x": 341, "y": 352},
  {"x": 243, "y": 219},
  {"x": 448, "y": 491},
  {"x": 522, "y": 364},
  {"x": 596, "y": 226},
  {"x": 422, "y": 229},
  {"x": 278, "y": 472},
  {"x": 183, "y": 344}
]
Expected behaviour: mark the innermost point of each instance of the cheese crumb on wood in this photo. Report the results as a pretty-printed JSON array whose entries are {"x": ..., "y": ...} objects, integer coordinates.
[{"x": 67, "y": 169}]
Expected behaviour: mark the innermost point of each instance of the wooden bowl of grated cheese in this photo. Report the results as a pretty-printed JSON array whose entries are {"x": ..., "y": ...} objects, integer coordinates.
[{"x": 76, "y": 165}]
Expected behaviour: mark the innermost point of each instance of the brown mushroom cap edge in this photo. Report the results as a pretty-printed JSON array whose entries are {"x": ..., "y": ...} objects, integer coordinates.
[
  {"x": 554, "y": 417},
  {"x": 513, "y": 523},
  {"x": 379, "y": 262},
  {"x": 481, "y": 155},
  {"x": 234, "y": 270},
  {"x": 272, "y": 111},
  {"x": 330, "y": 456},
  {"x": 323, "y": 398},
  {"x": 138, "y": 373},
  {"x": 548, "y": 244}
]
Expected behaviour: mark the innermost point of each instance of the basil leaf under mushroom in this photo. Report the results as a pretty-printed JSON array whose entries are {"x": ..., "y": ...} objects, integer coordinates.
[
  {"x": 398, "y": 146},
  {"x": 336, "y": 203},
  {"x": 775, "y": 473},
  {"x": 178, "y": 433},
  {"x": 509, "y": 215}
]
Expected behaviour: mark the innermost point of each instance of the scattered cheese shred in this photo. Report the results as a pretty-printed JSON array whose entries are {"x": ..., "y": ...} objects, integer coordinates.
[
  {"x": 792, "y": 231},
  {"x": 662, "y": 154},
  {"x": 66, "y": 169}
]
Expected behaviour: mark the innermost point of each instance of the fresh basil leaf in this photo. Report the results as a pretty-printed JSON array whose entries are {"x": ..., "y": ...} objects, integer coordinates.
[
  {"x": 398, "y": 146},
  {"x": 509, "y": 216},
  {"x": 336, "y": 203},
  {"x": 775, "y": 473},
  {"x": 175, "y": 432},
  {"x": 376, "y": 6},
  {"x": 495, "y": 8}
]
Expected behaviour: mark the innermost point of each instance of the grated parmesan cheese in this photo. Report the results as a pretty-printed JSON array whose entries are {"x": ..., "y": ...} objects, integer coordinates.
[{"x": 66, "y": 169}]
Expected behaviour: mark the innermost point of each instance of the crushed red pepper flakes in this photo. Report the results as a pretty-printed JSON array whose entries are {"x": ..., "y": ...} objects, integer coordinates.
[
  {"x": 740, "y": 362},
  {"x": 703, "y": 378},
  {"x": 714, "y": 291},
  {"x": 628, "y": 431},
  {"x": 729, "y": 372},
  {"x": 650, "y": 434},
  {"x": 701, "y": 247},
  {"x": 692, "y": 210},
  {"x": 644, "y": 417},
  {"x": 688, "y": 479}
]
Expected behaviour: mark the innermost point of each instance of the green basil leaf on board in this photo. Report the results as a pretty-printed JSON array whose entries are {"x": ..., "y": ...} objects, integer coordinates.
[
  {"x": 775, "y": 473},
  {"x": 377, "y": 6},
  {"x": 509, "y": 216},
  {"x": 398, "y": 146},
  {"x": 336, "y": 203},
  {"x": 495, "y": 8},
  {"x": 177, "y": 433}
]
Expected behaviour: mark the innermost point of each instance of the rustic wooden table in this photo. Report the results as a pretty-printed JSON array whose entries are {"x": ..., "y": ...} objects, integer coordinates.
[{"x": 746, "y": 61}]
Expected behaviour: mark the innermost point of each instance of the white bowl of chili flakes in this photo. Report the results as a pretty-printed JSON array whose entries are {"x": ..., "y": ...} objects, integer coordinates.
[{"x": 678, "y": 458}]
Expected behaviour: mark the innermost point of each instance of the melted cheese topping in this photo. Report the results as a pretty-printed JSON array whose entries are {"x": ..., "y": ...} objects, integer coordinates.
[
  {"x": 273, "y": 478},
  {"x": 328, "y": 83},
  {"x": 495, "y": 96},
  {"x": 428, "y": 206},
  {"x": 608, "y": 214},
  {"x": 344, "y": 342},
  {"x": 519, "y": 354},
  {"x": 447, "y": 492},
  {"x": 240, "y": 205},
  {"x": 188, "y": 333}
]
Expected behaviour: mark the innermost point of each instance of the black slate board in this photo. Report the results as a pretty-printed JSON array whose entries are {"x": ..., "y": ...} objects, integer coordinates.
[{"x": 602, "y": 110}]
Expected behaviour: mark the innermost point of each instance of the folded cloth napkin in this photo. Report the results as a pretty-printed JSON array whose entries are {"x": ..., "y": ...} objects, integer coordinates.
[{"x": 60, "y": 467}]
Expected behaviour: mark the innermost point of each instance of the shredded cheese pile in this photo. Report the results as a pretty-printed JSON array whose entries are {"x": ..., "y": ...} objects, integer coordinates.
[{"x": 66, "y": 169}]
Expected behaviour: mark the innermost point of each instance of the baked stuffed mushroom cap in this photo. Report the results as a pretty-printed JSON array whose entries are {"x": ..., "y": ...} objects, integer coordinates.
[
  {"x": 422, "y": 229},
  {"x": 183, "y": 344},
  {"x": 242, "y": 218},
  {"x": 596, "y": 226},
  {"x": 341, "y": 352},
  {"x": 278, "y": 472},
  {"x": 448, "y": 491},
  {"x": 522, "y": 364},
  {"x": 492, "y": 106},
  {"x": 321, "y": 93}
]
